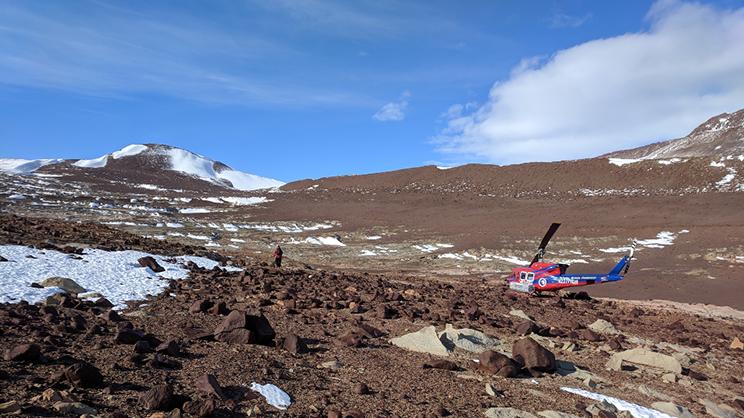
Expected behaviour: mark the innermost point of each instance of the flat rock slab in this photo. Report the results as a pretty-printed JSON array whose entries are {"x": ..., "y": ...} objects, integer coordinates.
[
  {"x": 508, "y": 413},
  {"x": 467, "y": 339},
  {"x": 556, "y": 414},
  {"x": 601, "y": 326},
  {"x": 425, "y": 340},
  {"x": 520, "y": 314},
  {"x": 68, "y": 285},
  {"x": 644, "y": 357},
  {"x": 719, "y": 410},
  {"x": 673, "y": 409}
]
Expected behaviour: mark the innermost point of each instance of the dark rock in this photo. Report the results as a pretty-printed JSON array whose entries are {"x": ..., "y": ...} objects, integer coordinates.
[
  {"x": 588, "y": 335},
  {"x": 497, "y": 364},
  {"x": 103, "y": 303},
  {"x": 24, "y": 352},
  {"x": 159, "y": 398},
  {"x": 84, "y": 375},
  {"x": 200, "y": 306},
  {"x": 235, "y": 320},
  {"x": 696, "y": 375},
  {"x": 220, "y": 308},
  {"x": 112, "y": 316},
  {"x": 236, "y": 336},
  {"x": 260, "y": 326},
  {"x": 150, "y": 262},
  {"x": 170, "y": 347},
  {"x": 159, "y": 361},
  {"x": 142, "y": 347},
  {"x": 350, "y": 339},
  {"x": 294, "y": 344},
  {"x": 532, "y": 356},
  {"x": 199, "y": 407},
  {"x": 527, "y": 328},
  {"x": 441, "y": 364},
  {"x": 128, "y": 336},
  {"x": 361, "y": 389},
  {"x": 208, "y": 384},
  {"x": 369, "y": 331}
]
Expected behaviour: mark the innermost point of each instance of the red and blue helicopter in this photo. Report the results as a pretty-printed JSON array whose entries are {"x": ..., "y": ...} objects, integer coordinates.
[{"x": 543, "y": 276}]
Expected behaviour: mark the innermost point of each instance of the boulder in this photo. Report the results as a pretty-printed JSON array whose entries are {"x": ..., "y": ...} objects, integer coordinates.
[
  {"x": 236, "y": 336},
  {"x": 672, "y": 409},
  {"x": 234, "y": 320},
  {"x": 425, "y": 340},
  {"x": 159, "y": 398},
  {"x": 68, "y": 285},
  {"x": 262, "y": 329},
  {"x": 644, "y": 357},
  {"x": 151, "y": 263},
  {"x": 603, "y": 327},
  {"x": 533, "y": 356},
  {"x": 200, "y": 306},
  {"x": 128, "y": 336},
  {"x": 84, "y": 375},
  {"x": 208, "y": 385},
  {"x": 527, "y": 328},
  {"x": 24, "y": 352},
  {"x": 507, "y": 413},
  {"x": 497, "y": 364},
  {"x": 467, "y": 339}
]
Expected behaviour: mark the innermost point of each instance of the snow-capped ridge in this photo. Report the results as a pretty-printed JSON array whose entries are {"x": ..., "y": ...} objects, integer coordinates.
[{"x": 128, "y": 151}]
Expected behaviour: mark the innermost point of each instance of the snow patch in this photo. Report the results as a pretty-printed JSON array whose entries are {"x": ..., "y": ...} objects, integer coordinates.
[
  {"x": 624, "y": 161},
  {"x": 194, "y": 210},
  {"x": 100, "y": 162},
  {"x": 333, "y": 241},
  {"x": 636, "y": 410},
  {"x": 115, "y": 274}
]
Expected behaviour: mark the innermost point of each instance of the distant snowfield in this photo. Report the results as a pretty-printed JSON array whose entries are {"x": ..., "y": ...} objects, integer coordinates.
[
  {"x": 663, "y": 239},
  {"x": 115, "y": 274},
  {"x": 198, "y": 166},
  {"x": 324, "y": 241},
  {"x": 128, "y": 151},
  {"x": 20, "y": 166}
]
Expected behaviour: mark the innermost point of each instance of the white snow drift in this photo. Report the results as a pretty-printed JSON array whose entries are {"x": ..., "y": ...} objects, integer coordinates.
[
  {"x": 20, "y": 166},
  {"x": 115, "y": 274},
  {"x": 128, "y": 151}
]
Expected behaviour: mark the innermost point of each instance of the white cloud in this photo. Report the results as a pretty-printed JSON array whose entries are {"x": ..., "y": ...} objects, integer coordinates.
[
  {"x": 611, "y": 93},
  {"x": 393, "y": 111}
]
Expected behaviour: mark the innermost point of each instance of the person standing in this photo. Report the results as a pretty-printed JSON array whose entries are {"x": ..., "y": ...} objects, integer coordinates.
[{"x": 278, "y": 253}]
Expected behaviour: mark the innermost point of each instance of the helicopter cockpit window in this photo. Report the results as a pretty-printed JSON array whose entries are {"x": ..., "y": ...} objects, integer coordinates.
[
  {"x": 530, "y": 276},
  {"x": 523, "y": 275}
]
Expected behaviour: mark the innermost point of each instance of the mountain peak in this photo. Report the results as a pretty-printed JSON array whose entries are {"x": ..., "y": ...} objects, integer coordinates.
[
  {"x": 721, "y": 135},
  {"x": 137, "y": 160}
]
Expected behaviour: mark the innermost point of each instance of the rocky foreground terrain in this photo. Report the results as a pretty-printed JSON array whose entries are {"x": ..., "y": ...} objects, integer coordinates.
[{"x": 341, "y": 345}]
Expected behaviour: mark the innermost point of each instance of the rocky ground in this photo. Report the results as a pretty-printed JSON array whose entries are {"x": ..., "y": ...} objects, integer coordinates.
[{"x": 331, "y": 340}]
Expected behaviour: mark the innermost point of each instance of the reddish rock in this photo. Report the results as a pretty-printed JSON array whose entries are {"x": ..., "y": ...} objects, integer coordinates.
[
  {"x": 208, "y": 385},
  {"x": 219, "y": 308},
  {"x": 497, "y": 364},
  {"x": 441, "y": 364},
  {"x": 361, "y": 389},
  {"x": 200, "y": 408},
  {"x": 350, "y": 339},
  {"x": 527, "y": 328},
  {"x": 532, "y": 356},
  {"x": 84, "y": 375},
  {"x": 294, "y": 344},
  {"x": 236, "y": 336},
  {"x": 24, "y": 352},
  {"x": 235, "y": 320},
  {"x": 159, "y": 398},
  {"x": 200, "y": 306},
  {"x": 150, "y": 262},
  {"x": 170, "y": 347}
]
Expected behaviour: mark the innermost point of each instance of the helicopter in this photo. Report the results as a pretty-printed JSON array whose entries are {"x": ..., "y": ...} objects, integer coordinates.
[{"x": 541, "y": 276}]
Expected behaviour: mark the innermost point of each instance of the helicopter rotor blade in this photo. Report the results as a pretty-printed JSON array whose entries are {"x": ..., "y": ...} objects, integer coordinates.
[{"x": 544, "y": 243}]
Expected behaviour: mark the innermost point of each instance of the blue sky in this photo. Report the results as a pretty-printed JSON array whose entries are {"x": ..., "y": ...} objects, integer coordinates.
[{"x": 294, "y": 89}]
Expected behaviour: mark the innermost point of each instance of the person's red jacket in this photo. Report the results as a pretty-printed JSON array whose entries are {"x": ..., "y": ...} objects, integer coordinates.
[{"x": 278, "y": 252}]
